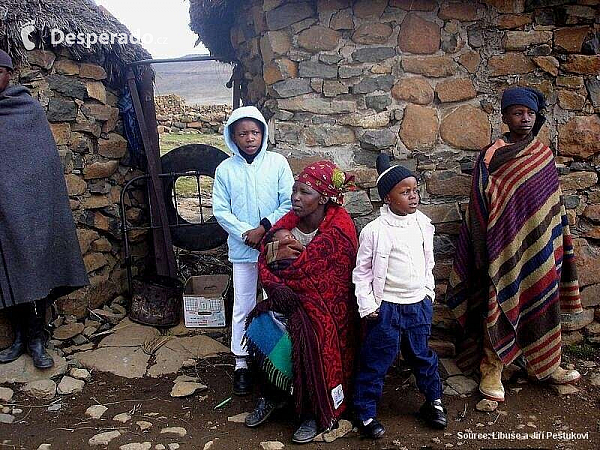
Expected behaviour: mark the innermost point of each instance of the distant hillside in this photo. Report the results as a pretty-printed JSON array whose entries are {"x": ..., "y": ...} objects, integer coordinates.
[{"x": 199, "y": 82}]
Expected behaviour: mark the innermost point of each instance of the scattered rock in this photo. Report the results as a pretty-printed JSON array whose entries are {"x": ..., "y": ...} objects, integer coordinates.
[
  {"x": 143, "y": 425},
  {"x": 136, "y": 446},
  {"x": 344, "y": 427},
  {"x": 595, "y": 379},
  {"x": 436, "y": 440},
  {"x": 271, "y": 445},
  {"x": 5, "y": 394},
  {"x": 45, "y": 447},
  {"x": 23, "y": 371},
  {"x": 173, "y": 446},
  {"x": 207, "y": 445},
  {"x": 104, "y": 438},
  {"x": 68, "y": 331},
  {"x": 42, "y": 389},
  {"x": 17, "y": 410},
  {"x": 486, "y": 405},
  {"x": 187, "y": 388},
  {"x": 462, "y": 384},
  {"x": 7, "y": 418},
  {"x": 55, "y": 407},
  {"x": 69, "y": 385},
  {"x": 123, "y": 418},
  {"x": 565, "y": 389},
  {"x": 531, "y": 425},
  {"x": 80, "y": 374},
  {"x": 96, "y": 411},
  {"x": 179, "y": 431},
  {"x": 239, "y": 418},
  {"x": 127, "y": 362}
]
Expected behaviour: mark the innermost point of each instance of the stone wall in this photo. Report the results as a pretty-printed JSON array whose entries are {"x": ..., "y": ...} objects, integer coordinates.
[
  {"x": 174, "y": 115},
  {"x": 84, "y": 119},
  {"x": 421, "y": 79}
]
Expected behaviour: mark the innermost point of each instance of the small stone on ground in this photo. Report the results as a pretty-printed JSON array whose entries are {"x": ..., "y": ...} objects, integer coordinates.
[
  {"x": 45, "y": 447},
  {"x": 271, "y": 445},
  {"x": 186, "y": 388},
  {"x": 486, "y": 405},
  {"x": 5, "y": 394},
  {"x": 565, "y": 389},
  {"x": 96, "y": 411},
  {"x": 80, "y": 374},
  {"x": 238, "y": 418},
  {"x": 136, "y": 446},
  {"x": 462, "y": 384},
  {"x": 42, "y": 389},
  {"x": 104, "y": 438},
  {"x": 69, "y": 385},
  {"x": 143, "y": 425},
  {"x": 173, "y": 446},
  {"x": 179, "y": 431},
  {"x": 7, "y": 418},
  {"x": 123, "y": 418}
]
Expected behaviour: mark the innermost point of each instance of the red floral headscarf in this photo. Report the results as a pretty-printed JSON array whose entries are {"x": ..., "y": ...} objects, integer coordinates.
[{"x": 327, "y": 179}]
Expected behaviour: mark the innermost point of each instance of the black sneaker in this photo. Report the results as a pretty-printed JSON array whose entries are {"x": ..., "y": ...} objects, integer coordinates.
[
  {"x": 434, "y": 414},
  {"x": 306, "y": 432},
  {"x": 242, "y": 382},
  {"x": 374, "y": 430},
  {"x": 264, "y": 408}
]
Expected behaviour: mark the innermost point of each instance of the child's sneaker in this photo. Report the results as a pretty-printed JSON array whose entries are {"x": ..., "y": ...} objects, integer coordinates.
[
  {"x": 373, "y": 430},
  {"x": 434, "y": 414}
]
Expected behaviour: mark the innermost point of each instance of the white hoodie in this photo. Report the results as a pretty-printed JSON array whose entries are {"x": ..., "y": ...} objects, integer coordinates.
[{"x": 243, "y": 193}]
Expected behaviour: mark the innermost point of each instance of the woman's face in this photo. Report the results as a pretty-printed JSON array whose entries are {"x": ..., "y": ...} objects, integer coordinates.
[{"x": 305, "y": 200}]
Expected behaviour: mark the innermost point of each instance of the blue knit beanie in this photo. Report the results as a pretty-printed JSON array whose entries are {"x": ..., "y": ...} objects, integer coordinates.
[
  {"x": 389, "y": 176},
  {"x": 5, "y": 60},
  {"x": 532, "y": 98}
]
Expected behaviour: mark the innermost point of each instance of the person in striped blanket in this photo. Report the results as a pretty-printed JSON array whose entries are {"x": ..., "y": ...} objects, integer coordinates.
[{"x": 514, "y": 267}]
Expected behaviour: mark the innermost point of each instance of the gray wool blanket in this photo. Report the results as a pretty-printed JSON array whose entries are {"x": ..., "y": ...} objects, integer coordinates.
[{"x": 39, "y": 250}]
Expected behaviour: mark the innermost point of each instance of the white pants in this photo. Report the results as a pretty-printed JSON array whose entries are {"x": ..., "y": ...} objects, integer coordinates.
[{"x": 245, "y": 281}]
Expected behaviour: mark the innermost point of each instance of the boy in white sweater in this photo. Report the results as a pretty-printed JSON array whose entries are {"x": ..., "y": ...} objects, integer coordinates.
[{"x": 395, "y": 291}]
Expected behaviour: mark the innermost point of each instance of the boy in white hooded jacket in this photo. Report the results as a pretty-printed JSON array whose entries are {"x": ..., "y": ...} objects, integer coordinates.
[{"x": 252, "y": 191}]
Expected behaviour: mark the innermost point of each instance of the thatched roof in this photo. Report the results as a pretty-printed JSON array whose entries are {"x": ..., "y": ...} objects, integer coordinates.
[
  {"x": 212, "y": 20},
  {"x": 69, "y": 16}
]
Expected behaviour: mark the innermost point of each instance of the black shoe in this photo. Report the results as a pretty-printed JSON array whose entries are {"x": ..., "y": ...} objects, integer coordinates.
[
  {"x": 242, "y": 382},
  {"x": 434, "y": 414},
  {"x": 264, "y": 408},
  {"x": 372, "y": 431},
  {"x": 306, "y": 432},
  {"x": 15, "y": 350},
  {"x": 36, "y": 342},
  {"x": 37, "y": 350}
]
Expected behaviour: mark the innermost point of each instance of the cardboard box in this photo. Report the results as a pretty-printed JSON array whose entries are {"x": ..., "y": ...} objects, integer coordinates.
[{"x": 204, "y": 301}]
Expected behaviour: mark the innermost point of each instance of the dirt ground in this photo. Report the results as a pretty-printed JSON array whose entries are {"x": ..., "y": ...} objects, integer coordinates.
[{"x": 526, "y": 420}]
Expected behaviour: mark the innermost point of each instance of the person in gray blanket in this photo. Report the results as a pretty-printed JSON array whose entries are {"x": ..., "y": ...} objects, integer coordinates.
[{"x": 40, "y": 258}]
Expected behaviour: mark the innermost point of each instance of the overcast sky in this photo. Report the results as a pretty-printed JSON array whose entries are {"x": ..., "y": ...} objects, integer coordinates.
[{"x": 164, "y": 25}]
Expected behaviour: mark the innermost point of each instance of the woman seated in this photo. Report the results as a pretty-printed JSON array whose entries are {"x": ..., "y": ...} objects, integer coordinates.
[{"x": 303, "y": 337}]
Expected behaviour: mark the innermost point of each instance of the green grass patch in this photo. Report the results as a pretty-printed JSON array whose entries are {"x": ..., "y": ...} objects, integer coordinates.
[{"x": 581, "y": 351}]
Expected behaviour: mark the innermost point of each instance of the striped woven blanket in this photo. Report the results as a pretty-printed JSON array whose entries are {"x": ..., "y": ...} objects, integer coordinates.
[{"x": 514, "y": 269}]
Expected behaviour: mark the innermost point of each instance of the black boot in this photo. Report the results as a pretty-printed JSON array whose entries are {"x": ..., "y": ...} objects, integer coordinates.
[
  {"x": 17, "y": 318},
  {"x": 36, "y": 342}
]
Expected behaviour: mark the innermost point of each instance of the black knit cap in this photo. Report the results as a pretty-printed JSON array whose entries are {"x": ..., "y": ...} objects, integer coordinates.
[
  {"x": 5, "y": 60},
  {"x": 389, "y": 176}
]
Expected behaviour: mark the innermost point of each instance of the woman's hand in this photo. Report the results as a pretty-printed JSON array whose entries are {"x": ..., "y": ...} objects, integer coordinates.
[
  {"x": 253, "y": 237},
  {"x": 288, "y": 249}
]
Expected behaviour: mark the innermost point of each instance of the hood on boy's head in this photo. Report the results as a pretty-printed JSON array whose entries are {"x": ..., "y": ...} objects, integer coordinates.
[{"x": 245, "y": 112}]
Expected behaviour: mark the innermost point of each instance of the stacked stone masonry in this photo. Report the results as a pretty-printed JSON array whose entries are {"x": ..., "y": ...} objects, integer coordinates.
[
  {"x": 422, "y": 79},
  {"x": 84, "y": 119},
  {"x": 174, "y": 115}
]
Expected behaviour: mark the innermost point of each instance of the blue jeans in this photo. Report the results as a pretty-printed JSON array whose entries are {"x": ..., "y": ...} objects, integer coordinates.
[{"x": 404, "y": 327}]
